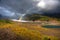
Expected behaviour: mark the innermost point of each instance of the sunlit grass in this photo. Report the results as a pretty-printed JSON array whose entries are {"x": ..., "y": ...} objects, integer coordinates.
[{"x": 25, "y": 31}]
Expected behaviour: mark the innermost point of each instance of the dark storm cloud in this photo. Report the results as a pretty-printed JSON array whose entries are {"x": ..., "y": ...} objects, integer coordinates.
[{"x": 18, "y": 7}]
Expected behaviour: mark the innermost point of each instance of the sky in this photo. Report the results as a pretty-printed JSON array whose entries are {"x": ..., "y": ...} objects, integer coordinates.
[{"x": 15, "y": 8}]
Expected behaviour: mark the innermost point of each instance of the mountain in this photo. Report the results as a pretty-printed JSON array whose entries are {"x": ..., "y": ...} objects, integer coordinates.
[
  {"x": 0, "y": 16},
  {"x": 3, "y": 17},
  {"x": 54, "y": 15}
]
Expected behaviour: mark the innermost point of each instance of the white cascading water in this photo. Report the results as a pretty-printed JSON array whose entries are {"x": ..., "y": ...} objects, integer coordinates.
[{"x": 20, "y": 19}]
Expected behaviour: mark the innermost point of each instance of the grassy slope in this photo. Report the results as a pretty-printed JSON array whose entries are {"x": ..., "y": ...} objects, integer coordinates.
[{"x": 24, "y": 31}]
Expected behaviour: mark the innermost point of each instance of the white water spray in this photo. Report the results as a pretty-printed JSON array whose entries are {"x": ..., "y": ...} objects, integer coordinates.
[
  {"x": 21, "y": 18},
  {"x": 22, "y": 15}
]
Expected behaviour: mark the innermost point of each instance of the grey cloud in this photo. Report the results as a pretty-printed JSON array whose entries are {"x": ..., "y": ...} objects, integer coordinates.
[
  {"x": 23, "y": 6},
  {"x": 18, "y": 5}
]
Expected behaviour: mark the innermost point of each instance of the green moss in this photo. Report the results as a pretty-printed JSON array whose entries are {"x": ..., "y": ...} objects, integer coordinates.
[{"x": 5, "y": 21}]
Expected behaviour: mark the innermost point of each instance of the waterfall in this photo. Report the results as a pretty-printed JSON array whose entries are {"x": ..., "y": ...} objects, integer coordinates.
[{"x": 21, "y": 18}]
